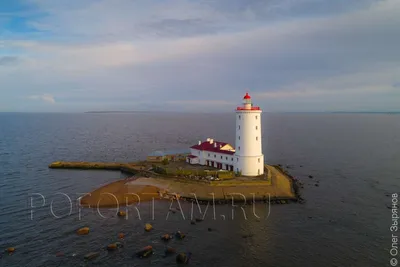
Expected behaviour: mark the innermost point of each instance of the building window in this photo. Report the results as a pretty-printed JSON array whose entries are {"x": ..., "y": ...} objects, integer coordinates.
[
  {"x": 256, "y": 127},
  {"x": 258, "y": 160},
  {"x": 226, "y": 158},
  {"x": 239, "y": 137},
  {"x": 208, "y": 154},
  {"x": 231, "y": 159},
  {"x": 221, "y": 157},
  {"x": 239, "y": 127},
  {"x": 237, "y": 159},
  {"x": 257, "y": 138},
  {"x": 239, "y": 117},
  {"x": 215, "y": 156}
]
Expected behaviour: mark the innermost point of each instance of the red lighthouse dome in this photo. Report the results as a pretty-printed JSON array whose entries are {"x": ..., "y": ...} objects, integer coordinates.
[{"x": 247, "y": 104}]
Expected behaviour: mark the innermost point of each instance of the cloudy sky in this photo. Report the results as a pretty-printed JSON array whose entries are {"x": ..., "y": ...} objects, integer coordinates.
[{"x": 188, "y": 55}]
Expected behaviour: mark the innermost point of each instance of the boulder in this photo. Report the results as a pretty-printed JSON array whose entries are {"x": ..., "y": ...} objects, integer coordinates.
[
  {"x": 92, "y": 255},
  {"x": 183, "y": 257},
  {"x": 148, "y": 227},
  {"x": 83, "y": 231},
  {"x": 10, "y": 249},
  {"x": 166, "y": 237},
  {"x": 179, "y": 235},
  {"x": 169, "y": 251},
  {"x": 121, "y": 213},
  {"x": 145, "y": 252}
]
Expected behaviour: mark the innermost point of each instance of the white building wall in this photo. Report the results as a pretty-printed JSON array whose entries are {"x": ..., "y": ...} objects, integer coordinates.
[
  {"x": 219, "y": 157},
  {"x": 225, "y": 159},
  {"x": 193, "y": 160},
  {"x": 248, "y": 143}
]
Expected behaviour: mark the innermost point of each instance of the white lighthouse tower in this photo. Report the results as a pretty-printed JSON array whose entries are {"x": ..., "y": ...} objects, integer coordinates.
[{"x": 248, "y": 146}]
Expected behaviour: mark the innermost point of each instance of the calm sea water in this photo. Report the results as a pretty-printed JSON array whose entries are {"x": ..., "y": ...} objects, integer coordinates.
[{"x": 345, "y": 221}]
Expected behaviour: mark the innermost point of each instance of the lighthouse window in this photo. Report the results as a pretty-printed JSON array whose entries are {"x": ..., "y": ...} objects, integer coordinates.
[
  {"x": 256, "y": 127},
  {"x": 231, "y": 159},
  {"x": 221, "y": 157},
  {"x": 208, "y": 154},
  {"x": 239, "y": 127},
  {"x": 256, "y": 117},
  {"x": 226, "y": 158},
  {"x": 215, "y": 156},
  {"x": 239, "y": 117},
  {"x": 239, "y": 137},
  {"x": 258, "y": 160},
  {"x": 257, "y": 138},
  {"x": 237, "y": 159},
  {"x": 239, "y": 148}
]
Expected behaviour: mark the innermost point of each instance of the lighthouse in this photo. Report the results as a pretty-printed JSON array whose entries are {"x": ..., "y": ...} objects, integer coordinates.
[{"x": 248, "y": 144}]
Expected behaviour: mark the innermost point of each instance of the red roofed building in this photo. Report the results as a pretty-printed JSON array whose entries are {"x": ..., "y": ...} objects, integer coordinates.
[{"x": 212, "y": 153}]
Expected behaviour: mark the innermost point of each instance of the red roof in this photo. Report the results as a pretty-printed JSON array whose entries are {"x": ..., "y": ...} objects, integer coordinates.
[
  {"x": 206, "y": 146},
  {"x": 246, "y": 96},
  {"x": 192, "y": 156}
]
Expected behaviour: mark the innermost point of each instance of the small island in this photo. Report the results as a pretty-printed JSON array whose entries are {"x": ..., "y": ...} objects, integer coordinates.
[{"x": 211, "y": 171}]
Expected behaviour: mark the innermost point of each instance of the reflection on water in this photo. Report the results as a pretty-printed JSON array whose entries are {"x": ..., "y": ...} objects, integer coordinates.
[{"x": 344, "y": 222}]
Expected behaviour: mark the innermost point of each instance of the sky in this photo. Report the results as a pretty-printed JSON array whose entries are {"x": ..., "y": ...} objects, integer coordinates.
[{"x": 199, "y": 55}]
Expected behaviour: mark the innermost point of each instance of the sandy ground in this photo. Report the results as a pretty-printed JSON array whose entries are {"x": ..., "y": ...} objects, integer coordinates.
[
  {"x": 119, "y": 194},
  {"x": 131, "y": 190}
]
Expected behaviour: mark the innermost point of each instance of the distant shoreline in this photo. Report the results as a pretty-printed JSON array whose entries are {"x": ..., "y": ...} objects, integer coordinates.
[
  {"x": 282, "y": 112},
  {"x": 119, "y": 112}
]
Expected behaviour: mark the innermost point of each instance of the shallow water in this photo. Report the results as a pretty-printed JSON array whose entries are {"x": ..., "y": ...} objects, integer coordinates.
[{"x": 345, "y": 221}]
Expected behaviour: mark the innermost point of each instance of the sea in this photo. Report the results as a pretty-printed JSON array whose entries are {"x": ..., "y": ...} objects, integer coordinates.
[{"x": 353, "y": 159}]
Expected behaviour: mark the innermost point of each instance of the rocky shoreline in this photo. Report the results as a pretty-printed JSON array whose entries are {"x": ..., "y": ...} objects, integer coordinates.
[{"x": 279, "y": 188}]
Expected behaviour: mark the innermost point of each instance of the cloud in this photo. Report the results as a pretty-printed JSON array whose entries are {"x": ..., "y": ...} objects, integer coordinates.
[
  {"x": 44, "y": 97},
  {"x": 203, "y": 54},
  {"x": 8, "y": 60}
]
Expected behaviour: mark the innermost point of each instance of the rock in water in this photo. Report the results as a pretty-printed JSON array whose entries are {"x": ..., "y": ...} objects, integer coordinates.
[
  {"x": 10, "y": 249},
  {"x": 112, "y": 246},
  {"x": 83, "y": 231},
  {"x": 179, "y": 235},
  {"x": 121, "y": 213},
  {"x": 166, "y": 237},
  {"x": 148, "y": 227},
  {"x": 92, "y": 255},
  {"x": 183, "y": 257},
  {"x": 169, "y": 251},
  {"x": 145, "y": 252}
]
